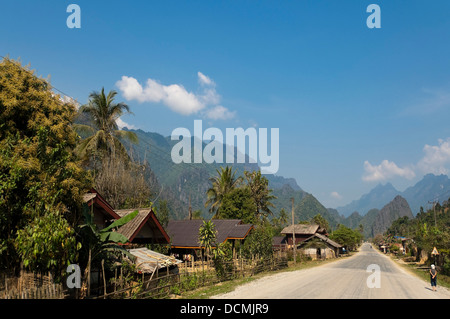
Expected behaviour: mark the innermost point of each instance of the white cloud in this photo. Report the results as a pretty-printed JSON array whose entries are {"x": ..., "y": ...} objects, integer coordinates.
[
  {"x": 176, "y": 97},
  {"x": 385, "y": 171},
  {"x": 121, "y": 124},
  {"x": 436, "y": 161},
  {"x": 436, "y": 158},
  {"x": 336, "y": 195},
  {"x": 219, "y": 113},
  {"x": 205, "y": 80}
]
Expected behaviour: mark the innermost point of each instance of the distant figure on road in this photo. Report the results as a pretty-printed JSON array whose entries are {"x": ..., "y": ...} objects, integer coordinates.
[{"x": 433, "y": 274}]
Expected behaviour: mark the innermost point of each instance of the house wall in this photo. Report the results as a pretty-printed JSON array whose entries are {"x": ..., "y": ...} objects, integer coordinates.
[
  {"x": 145, "y": 232},
  {"x": 99, "y": 218},
  {"x": 325, "y": 253}
]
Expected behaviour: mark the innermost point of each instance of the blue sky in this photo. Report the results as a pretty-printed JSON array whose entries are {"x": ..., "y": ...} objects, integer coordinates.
[{"x": 355, "y": 106}]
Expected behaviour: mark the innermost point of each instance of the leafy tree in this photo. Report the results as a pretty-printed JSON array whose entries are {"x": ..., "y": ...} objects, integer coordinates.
[
  {"x": 259, "y": 243},
  {"x": 105, "y": 134},
  {"x": 46, "y": 241},
  {"x": 238, "y": 204},
  {"x": 346, "y": 237},
  {"x": 399, "y": 227},
  {"x": 260, "y": 193},
  {"x": 41, "y": 181},
  {"x": 222, "y": 184}
]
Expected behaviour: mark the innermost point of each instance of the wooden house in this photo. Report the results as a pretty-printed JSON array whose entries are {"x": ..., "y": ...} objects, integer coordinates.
[
  {"x": 185, "y": 240},
  {"x": 311, "y": 239},
  {"x": 143, "y": 229},
  {"x": 103, "y": 213}
]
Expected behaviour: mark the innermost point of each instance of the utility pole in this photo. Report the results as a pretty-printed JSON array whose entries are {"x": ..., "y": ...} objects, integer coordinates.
[
  {"x": 190, "y": 208},
  {"x": 293, "y": 233}
]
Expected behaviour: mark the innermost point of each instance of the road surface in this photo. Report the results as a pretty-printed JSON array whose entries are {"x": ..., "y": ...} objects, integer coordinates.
[{"x": 346, "y": 278}]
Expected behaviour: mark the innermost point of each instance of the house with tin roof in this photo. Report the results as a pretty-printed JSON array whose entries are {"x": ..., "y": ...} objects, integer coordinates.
[
  {"x": 184, "y": 234},
  {"x": 311, "y": 239}
]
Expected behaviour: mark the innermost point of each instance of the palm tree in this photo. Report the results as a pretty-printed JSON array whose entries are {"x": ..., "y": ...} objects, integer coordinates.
[
  {"x": 283, "y": 218},
  {"x": 261, "y": 193},
  {"x": 222, "y": 184},
  {"x": 105, "y": 134}
]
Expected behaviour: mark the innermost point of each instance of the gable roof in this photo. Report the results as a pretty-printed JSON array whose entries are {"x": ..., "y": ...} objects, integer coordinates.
[
  {"x": 301, "y": 229},
  {"x": 184, "y": 233},
  {"x": 134, "y": 226},
  {"x": 327, "y": 240},
  {"x": 94, "y": 198}
]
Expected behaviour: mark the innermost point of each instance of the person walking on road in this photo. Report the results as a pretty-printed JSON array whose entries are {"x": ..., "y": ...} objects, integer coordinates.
[{"x": 433, "y": 274}]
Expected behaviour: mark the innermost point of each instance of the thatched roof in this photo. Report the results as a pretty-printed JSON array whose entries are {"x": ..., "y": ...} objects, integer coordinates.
[
  {"x": 302, "y": 229},
  {"x": 148, "y": 260},
  {"x": 327, "y": 240},
  {"x": 145, "y": 218},
  {"x": 95, "y": 199}
]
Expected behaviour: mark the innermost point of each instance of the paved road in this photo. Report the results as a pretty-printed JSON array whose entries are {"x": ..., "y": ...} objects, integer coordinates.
[{"x": 345, "y": 278}]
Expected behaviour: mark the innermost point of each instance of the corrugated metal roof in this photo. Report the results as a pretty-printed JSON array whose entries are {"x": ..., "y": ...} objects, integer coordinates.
[
  {"x": 184, "y": 233},
  {"x": 148, "y": 260}
]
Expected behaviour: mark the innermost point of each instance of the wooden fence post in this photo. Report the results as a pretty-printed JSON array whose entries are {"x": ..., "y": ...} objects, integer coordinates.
[{"x": 104, "y": 279}]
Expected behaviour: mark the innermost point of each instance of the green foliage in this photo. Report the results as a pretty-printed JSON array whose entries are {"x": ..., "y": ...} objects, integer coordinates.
[
  {"x": 346, "y": 237},
  {"x": 101, "y": 242},
  {"x": 104, "y": 244},
  {"x": 223, "y": 258},
  {"x": 105, "y": 138},
  {"x": 47, "y": 243},
  {"x": 322, "y": 222},
  {"x": 207, "y": 235},
  {"x": 238, "y": 204},
  {"x": 228, "y": 197},
  {"x": 429, "y": 229},
  {"x": 400, "y": 227},
  {"x": 223, "y": 183},
  {"x": 259, "y": 243},
  {"x": 163, "y": 213},
  {"x": 40, "y": 177},
  {"x": 260, "y": 193}
]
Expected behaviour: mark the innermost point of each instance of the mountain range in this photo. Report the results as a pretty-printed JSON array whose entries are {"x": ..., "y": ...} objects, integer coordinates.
[
  {"x": 185, "y": 184},
  {"x": 430, "y": 188}
]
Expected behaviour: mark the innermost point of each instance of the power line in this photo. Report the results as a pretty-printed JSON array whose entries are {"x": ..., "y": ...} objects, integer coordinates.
[
  {"x": 180, "y": 168},
  {"x": 45, "y": 81}
]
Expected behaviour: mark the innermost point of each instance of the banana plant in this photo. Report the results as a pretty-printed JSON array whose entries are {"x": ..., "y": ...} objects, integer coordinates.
[
  {"x": 106, "y": 239},
  {"x": 100, "y": 242}
]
